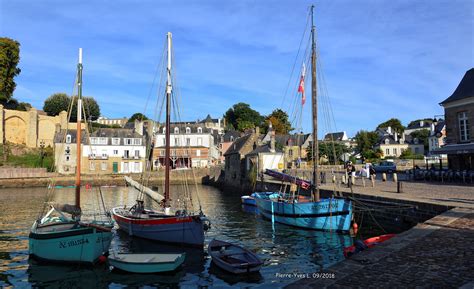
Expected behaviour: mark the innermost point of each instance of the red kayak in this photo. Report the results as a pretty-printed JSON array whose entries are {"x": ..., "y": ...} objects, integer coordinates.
[{"x": 369, "y": 243}]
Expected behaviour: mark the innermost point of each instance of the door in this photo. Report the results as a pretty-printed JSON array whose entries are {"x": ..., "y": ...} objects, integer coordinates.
[{"x": 115, "y": 167}]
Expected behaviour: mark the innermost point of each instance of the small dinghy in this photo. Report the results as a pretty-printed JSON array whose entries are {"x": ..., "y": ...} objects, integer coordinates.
[
  {"x": 368, "y": 243},
  {"x": 233, "y": 258},
  {"x": 146, "y": 262}
]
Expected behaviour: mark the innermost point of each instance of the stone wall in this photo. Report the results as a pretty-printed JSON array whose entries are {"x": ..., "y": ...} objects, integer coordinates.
[
  {"x": 29, "y": 128},
  {"x": 15, "y": 173}
]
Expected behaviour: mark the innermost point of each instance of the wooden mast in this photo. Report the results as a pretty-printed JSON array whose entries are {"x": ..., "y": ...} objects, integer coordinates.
[
  {"x": 78, "y": 131},
  {"x": 168, "y": 129},
  {"x": 314, "y": 103}
]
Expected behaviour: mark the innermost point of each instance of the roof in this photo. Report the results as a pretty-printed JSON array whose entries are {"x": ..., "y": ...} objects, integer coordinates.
[
  {"x": 263, "y": 149},
  {"x": 230, "y": 135},
  {"x": 335, "y": 136},
  {"x": 59, "y": 137},
  {"x": 209, "y": 119},
  {"x": 465, "y": 88},
  {"x": 291, "y": 140},
  {"x": 237, "y": 145},
  {"x": 182, "y": 128},
  {"x": 421, "y": 124},
  {"x": 116, "y": 133},
  {"x": 391, "y": 140}
]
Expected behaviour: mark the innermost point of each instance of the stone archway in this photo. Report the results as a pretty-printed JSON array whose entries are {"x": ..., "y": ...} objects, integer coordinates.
[{"x": 15, "y": 130}]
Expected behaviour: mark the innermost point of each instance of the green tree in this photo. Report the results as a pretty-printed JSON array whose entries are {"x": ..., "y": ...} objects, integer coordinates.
[
  {"x": 279, "y": 120},
  {"x": 91, "y": 108},
  {"x": 426, "y": 120},
  {"x": 366, "y": 140},
  {"x": 137, "y": 116},
  {"x": 9, "y": 59},
  {"x": 56, "y": 103},
  {"x": 240, "y": 117},
  {"x": 332, "y": 150},
  {"x": 394, "y": 123},
  {"x": 422, "y": 136}
]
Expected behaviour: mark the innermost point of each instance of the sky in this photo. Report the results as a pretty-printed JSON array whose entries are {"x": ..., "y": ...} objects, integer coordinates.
[{"x": 379, "y": 59}]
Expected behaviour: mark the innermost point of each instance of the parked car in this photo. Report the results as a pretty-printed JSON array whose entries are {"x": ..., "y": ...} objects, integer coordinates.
[{"x": 385, "y": 167}]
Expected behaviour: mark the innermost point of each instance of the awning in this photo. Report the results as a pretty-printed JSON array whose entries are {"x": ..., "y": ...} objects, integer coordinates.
[{"x": 455, "y": 149}]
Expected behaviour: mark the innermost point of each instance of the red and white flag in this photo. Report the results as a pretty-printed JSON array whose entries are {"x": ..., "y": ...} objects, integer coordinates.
[{"x": 301, "y": 87}]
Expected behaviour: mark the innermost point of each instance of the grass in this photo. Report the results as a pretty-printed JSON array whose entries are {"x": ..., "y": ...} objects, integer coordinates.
[{"x": 29, "y": 159}]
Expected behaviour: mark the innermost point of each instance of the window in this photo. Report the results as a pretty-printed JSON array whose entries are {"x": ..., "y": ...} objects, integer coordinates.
[
  {"x": 395, "y": 151},
  {"x": 290, "y": 152},
  {"x": 128, "y": 141},
  {"x": 115, "y": 152},
  {"x": 188, "y": 130},
  {"x": 164, "y": 130},
  {"x": 68, "y": 138},
  {"x": 136, "y": 167},
  {"x": 463, "y": 126},
  {"x": 199, "y": 130},
  {"x": 92, "y": 166},
  {"x": 104, "y": 153},
  {"x": 199, "y": 141},
  {"x": 93, "y": 140},
  {"x": 188, "y": 141},
  {"x": 198, "y": 153},
  {"x": 103, "y": 166},
  {"x": 137, "y": 141},
  {"x": 176, "y": 141},
  {"x": 162, "y": 152},
  {"x": 387, "y": 141},
  {"x": 125, "y": 167},
  {"x": 67, "y": 158},
  {"x": 137, "y": 154},
  {"x": 387, "y": 152},
  {"x": 103, "y": 140},
  {"x": 176, "y": 130},
  {"x": 115, "y": 141},
  {"x": 126, "y": 154}
]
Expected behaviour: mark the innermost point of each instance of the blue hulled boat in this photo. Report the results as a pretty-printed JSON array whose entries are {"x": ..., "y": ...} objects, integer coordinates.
[
  {"x": 327, "y": 214},
  {"x": 57, "y": 237},
  {"x": 294, "y": 209}
]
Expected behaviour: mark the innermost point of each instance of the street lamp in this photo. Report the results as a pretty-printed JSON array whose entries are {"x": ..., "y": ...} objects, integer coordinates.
[{"x": 42, "y": 145}]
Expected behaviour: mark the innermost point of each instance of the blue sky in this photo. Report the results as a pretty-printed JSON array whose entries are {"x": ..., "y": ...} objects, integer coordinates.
[{"x": 380, "y": 59}]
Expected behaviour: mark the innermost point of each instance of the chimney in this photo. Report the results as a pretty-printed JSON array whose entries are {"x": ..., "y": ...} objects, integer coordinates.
[
  {"x": 402, "y": 138},
  {"x": 432, "y": 128},
  {"x": 389, "y": 130},
  {"x": 138, "y": 127},
  {"x": 421, "y": 123},
  {"x": 272, "y": 141},
  {"x": 395, "y": 136}
]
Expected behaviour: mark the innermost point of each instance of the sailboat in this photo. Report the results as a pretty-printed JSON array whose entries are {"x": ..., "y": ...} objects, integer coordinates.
[
  {"x": 309, "y": 213},
  {"x": 179, "y": 227},
  {"x": 60, "y": 235}
]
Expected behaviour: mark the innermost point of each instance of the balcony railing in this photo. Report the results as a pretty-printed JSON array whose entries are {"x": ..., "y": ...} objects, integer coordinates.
[
  {"x": 131, "y": 157},
  {"x": 101, "y": 157}
]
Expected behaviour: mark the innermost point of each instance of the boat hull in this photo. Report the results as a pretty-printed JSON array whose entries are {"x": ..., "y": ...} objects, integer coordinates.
[
  {"x": 248, "y": 201},
  {"x": 233, "y": 258},
  {"x": 186, "y": 230},
  {"x": 327, "y": 214},
  {"x": 147, "y": 267},
  {"x": 84, "y": 245}
]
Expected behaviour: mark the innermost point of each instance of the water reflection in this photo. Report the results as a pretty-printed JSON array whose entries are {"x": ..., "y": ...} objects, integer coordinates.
[{"x": 283, "y": 249}]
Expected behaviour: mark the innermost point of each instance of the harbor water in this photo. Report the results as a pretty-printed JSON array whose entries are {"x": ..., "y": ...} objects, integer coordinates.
[{"x": 284, "y": 250}]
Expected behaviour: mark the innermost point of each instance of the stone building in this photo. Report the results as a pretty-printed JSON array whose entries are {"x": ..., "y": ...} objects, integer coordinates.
[
  {"x": 30, "y": 128},
  {"x": 112, "y": 121},
  {"x": 235, "y": 166},
  {"x": 459, "y": 117},
  {"x": 393, "y": 145},
  {"x": 225, "y": 142}
]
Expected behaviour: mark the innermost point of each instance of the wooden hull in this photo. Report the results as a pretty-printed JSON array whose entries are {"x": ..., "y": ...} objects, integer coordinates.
[
  {"x": 327, "y": 214},
  {"x": 81, "y": 244},
  {"x": 186, "y": 230},
  {"x": 233, "y": 258},
  {"x": 147, "y": 263}
]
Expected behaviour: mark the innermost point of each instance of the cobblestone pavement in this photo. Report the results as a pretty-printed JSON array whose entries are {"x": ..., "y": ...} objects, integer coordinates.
[
  {"x": 435, "y": 192},
  {"x": 435, "y": 254}
]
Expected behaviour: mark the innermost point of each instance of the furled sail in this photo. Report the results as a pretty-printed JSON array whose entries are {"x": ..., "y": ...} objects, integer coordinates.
[{"x": 149, "y": 192}]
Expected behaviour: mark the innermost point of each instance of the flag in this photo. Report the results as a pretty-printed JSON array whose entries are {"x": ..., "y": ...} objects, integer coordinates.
[{"x": 301, "y": 86}]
